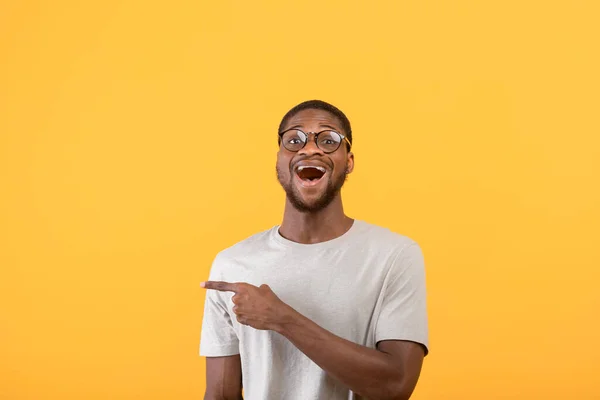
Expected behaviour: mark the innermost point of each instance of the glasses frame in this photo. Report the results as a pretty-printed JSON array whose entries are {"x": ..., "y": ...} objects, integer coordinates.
[{"x": 316, "y": 134}]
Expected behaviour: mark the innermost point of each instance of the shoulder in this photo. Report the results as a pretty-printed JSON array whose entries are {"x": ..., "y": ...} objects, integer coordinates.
[
  {"x": 385, "y": 238},
  {"x": 242, "y": 248},
  {"x": 405, "y": 257},
  {"x": 228, "y": 262}
]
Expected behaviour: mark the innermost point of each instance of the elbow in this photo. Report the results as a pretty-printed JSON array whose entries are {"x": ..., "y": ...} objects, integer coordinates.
[
  {"x": 210, "y": 396},
  {"x": 399, "y": 391},
  {"x": 402, "y": 395},
  {"x": 391, "y": 391}
]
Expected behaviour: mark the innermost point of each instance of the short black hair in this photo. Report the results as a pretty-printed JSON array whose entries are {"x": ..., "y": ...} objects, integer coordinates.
[{"x": 319, "y": 105}]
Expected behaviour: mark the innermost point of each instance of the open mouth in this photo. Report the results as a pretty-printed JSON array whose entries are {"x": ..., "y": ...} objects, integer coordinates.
[{"x": 309, "y": 174}]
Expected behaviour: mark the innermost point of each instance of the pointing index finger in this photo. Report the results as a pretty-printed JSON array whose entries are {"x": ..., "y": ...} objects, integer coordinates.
[{"x": 220, "y": 286}]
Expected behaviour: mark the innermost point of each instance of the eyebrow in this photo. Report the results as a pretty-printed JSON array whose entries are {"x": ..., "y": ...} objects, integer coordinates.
[
  {"x": 329, "y": 126},
  {"x": 320, "y": 126}
]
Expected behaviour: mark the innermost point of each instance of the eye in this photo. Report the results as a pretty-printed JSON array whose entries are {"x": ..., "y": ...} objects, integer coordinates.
[
  {"x": 294, "y": 138},
  {"x": 329, "y": 138}
]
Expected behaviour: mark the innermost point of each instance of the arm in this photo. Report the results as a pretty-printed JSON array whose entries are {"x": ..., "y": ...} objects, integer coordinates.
[
  {"x": 223, "y": 378},
  {"x": 389, "y": 372},
  {"x": 219, "y": 344}
]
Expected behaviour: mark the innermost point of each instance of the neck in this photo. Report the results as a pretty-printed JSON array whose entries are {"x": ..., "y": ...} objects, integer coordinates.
[{"x": 315, "y": 227}]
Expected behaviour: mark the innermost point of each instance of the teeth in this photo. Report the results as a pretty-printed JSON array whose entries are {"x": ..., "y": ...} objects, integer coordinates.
[{"x": 300, "y": 168}]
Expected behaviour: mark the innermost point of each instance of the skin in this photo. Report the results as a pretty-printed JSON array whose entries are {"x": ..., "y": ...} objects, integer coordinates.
[
  {"x": 224, "y": 378},
  {"x": 312, "y": 215},
  {"x": 323, "y": 221}
]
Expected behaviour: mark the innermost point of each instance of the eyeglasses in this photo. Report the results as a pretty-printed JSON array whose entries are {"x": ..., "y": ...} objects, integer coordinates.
[{"x": 328, "y": 141}]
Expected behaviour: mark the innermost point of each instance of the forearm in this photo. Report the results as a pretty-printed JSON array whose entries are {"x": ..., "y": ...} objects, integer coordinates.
[
  {"x": 368, "y": 372},
  {"x": 213, "y": 397}
]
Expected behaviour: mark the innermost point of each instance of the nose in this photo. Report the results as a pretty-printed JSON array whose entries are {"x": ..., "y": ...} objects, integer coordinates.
[{"x": 310, "y": 147}]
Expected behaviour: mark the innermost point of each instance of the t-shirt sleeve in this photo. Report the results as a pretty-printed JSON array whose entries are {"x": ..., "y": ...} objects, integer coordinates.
[
  {"x": 218, "y": 336},
  {"x": 403, "y": 313}
]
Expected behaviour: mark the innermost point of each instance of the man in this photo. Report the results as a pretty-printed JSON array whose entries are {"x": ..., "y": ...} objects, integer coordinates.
[{"x": 321, "y": 306}]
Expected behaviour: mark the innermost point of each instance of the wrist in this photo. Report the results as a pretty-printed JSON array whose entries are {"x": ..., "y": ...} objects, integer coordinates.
[{"x": 287, "y": 318}]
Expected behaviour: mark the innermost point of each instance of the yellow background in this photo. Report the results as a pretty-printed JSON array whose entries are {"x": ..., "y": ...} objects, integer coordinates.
[{"x": 137, "y": 139}]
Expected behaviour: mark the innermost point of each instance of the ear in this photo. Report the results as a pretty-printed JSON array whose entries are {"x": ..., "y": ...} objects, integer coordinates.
[{"x": 350, "y": 163}]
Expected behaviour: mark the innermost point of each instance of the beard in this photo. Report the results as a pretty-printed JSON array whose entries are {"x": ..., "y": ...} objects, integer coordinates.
[{"x": 332, "y": 189}]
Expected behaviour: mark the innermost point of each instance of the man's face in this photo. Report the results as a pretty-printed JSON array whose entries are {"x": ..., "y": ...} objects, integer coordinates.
[{"x": 301, "y": 173}]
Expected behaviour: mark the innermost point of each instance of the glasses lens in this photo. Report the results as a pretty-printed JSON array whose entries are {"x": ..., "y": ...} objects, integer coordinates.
[
  {"x": 329, "y": 141},
  {"x": 293, "y": 140}
]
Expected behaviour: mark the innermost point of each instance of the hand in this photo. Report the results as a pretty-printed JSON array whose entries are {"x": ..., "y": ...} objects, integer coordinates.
[{"x": 257, "y": 307}]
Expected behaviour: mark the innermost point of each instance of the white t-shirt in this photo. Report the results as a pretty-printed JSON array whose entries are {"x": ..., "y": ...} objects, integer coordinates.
[{"x": 365, "y": 286}]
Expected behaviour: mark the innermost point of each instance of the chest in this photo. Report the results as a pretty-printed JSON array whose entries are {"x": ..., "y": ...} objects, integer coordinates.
[{"x": 338, "y": 290}]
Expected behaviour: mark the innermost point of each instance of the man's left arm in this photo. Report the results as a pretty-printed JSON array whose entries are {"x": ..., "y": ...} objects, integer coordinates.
[{"x": 390, "y": 371}]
